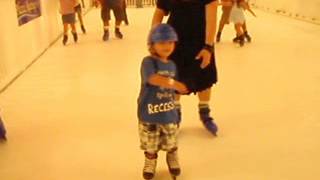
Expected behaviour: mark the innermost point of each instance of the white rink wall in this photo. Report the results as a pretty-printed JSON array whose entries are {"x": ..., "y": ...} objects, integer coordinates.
[
  {"x": 303, "y": 10},
  {"x": 21, "y": 45}
]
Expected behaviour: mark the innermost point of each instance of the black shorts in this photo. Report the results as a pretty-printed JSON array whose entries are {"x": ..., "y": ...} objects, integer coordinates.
[
  {"x": 117, "y": 11},
  {"x": 69, "y": 18},
  {"x": 189, "y": 72}
]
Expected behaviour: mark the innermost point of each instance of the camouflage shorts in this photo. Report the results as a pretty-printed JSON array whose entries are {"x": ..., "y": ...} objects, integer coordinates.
[{"x": 155, "y": 137}]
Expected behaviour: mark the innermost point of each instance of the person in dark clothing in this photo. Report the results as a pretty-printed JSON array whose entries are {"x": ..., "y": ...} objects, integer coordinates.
[
  {"x": 117, "y": 7},
  {"x": 195, "y": 23}
]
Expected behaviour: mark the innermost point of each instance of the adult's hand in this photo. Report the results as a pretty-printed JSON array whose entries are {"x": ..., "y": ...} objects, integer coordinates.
[{"x": 204, "y": 56}]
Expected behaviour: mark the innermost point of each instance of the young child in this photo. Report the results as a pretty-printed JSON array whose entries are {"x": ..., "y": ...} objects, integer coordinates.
[
  {"x": 156, "y": 110},
  {"x": 78, "y": 10},
  {"x": 3, "y": 136},
  {"x": 68, "y": 18},
  {"x": 237, "y": 16}
]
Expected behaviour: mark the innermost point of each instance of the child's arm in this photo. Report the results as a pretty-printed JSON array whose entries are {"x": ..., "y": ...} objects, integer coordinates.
[
  {"x": 247, "y": 7},
  {"x": 158, "y": 80}
]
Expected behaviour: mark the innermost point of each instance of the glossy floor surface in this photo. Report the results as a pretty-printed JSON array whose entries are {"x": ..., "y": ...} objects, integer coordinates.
[{"x": 72, "y": 115}]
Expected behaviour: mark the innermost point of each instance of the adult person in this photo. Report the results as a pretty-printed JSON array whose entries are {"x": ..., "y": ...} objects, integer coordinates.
[
  {"x": 195, "y": 23},
  {"x": 106, "y": 7}
]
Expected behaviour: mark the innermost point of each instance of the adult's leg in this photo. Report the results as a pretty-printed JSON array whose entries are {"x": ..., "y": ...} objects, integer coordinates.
[
  {"x": 204, "y": 111},
  {"x": 223, "y": 21},
  {"x": 126, "y": 21},
  {"x": 74, "y": 32},
  {"x": 245, "y": 32},
  {"x": 119, "y": 16},
  {"x": 65, "y": 33},
  {"x": 65, "y": 28},
  {"x": 80, "y": 17},
  {"x": 105, "y": 16},
  {"x": 240, "y": 34}
]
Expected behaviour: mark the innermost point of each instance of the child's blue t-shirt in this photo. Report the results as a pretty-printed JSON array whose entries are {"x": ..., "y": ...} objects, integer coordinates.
[{"x": 156, "y": 104}]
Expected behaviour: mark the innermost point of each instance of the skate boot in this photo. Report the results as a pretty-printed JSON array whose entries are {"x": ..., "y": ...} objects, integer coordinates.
[
  {"x": 173, "y": 164},
  {"x": 247, "y": 36},
  {"x": 83, "y": 29},
  {"x": 118, "y": 33},
  {"x": 150, "y": 165},
  {"x": 65, "y": 39},
  {"x": 75, "y": 36},
  {"x": 236, "y": 39},
  {"x": 126, "y": 22},
  {"x": 105, "y": 35},
  {"x": 208, "y": 121},
  {"x": 218, "y": 37},
  {"x": 241, "y": 40},
  {"x": 3, "y": 136}
]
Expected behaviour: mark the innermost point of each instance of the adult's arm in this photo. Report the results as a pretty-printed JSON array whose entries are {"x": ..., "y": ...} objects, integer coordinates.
[
  {"x": 211, "y": 20},
  {"x": 157, "y": 17}
]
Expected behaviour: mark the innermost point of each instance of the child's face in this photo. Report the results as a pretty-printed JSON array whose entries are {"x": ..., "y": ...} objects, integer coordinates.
[{"x": 164, "y": 49}]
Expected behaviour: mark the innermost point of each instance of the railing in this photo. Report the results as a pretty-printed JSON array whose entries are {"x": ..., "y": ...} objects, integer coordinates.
[{"x": 140, "y": 3}]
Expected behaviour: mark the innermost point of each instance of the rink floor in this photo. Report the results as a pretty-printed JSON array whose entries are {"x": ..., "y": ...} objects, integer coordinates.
[{"x": 72, "y": 115}]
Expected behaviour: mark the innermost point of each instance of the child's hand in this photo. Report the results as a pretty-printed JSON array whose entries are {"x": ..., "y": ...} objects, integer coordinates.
[{"x": 181, "y": 88}]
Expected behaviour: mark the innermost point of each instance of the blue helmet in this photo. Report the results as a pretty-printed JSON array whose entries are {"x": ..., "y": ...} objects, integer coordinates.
[{"x": 162, "y": 32}]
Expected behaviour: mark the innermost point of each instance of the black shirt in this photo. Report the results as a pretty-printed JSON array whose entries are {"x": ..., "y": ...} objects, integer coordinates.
[{"x": 188, "y": 19}]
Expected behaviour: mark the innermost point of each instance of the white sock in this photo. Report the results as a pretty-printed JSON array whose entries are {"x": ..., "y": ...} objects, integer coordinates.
[{"x": 203, "y": 104}]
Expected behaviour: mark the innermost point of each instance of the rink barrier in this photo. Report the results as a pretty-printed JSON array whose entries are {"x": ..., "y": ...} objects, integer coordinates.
[
  {"x": 140, "y": 3},
  {"x": 283, "y": 12}
]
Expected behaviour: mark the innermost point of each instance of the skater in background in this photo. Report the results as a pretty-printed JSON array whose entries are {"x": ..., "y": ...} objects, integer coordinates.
[
  {"x": 3, "y": 132},
  {"x": 157, "y": 114},
  {"x": 225, "y": 16},
  {"x": 195, "y": 23},
  {"x": 117, "y": 7},
  {"x": 78, "y": 10},
  {"x": 237, "y": 16},
  {"x": 68, "y": 18}
]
